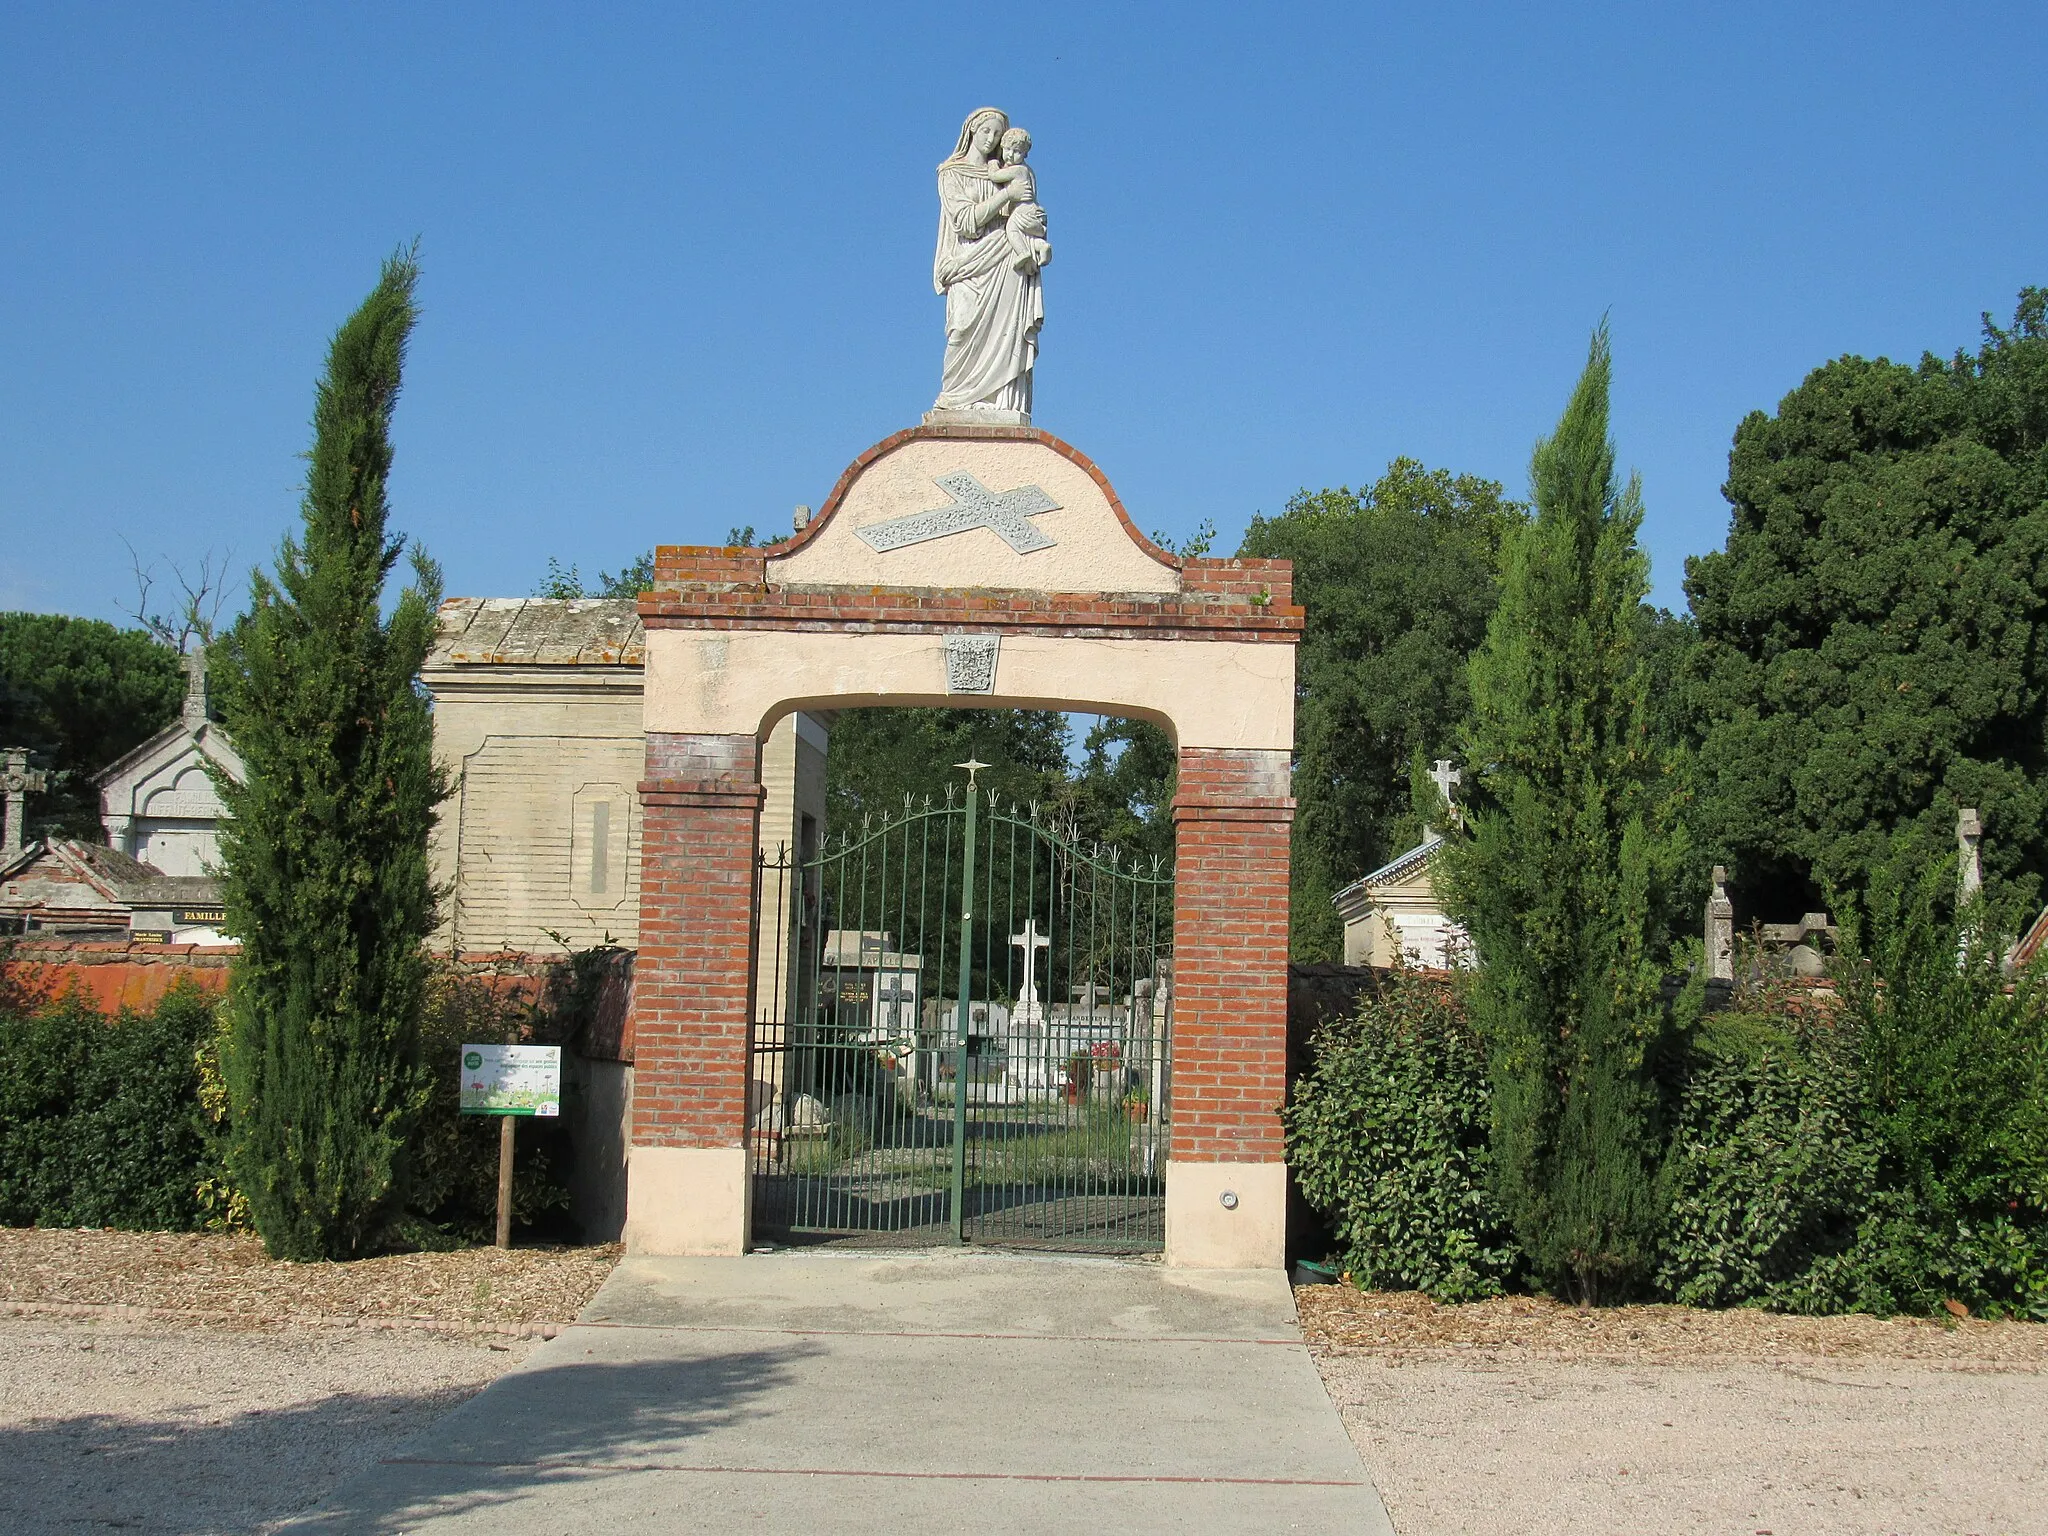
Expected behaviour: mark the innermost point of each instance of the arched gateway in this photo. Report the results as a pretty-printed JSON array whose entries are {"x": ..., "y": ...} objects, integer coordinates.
[{"x": 964, "y": 564}]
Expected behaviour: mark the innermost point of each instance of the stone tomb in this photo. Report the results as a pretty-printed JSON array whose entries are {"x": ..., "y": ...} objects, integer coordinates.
[{"x": 951, "y": 565}]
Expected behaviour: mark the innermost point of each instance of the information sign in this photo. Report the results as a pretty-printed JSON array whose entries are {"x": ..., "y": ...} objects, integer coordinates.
[{"x": 511, "y": 1080}]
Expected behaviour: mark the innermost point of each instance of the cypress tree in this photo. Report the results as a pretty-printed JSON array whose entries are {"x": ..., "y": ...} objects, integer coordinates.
[
  {"x": 324, "y": 857},
  {"x": 1563, "y": 881}
]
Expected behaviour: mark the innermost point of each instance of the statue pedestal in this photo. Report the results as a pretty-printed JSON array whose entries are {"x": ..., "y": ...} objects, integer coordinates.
[
  {"x": 1025, "y": 1048},
  {"x": 976, "y": 416}
]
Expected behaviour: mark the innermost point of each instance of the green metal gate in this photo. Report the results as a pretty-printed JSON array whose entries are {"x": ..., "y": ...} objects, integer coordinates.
[{"x": 961, "y": 1034}]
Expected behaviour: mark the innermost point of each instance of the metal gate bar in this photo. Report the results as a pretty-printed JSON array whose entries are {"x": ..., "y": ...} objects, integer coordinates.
[{"x": 919, "y": 1076}]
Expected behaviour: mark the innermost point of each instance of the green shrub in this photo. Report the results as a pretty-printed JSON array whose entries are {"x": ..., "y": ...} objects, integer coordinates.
[
  {"x": 99, "y": 1125},
  {"x": 125, "y": 1121},
  {"x": 1886, "y": 1157},
  {"x": 1770, "y": 1167},
  {"x": 453, "y": 1157},
  {"x": 1954, "y": 1060},
  {"x": 1388, "y": 1135}
]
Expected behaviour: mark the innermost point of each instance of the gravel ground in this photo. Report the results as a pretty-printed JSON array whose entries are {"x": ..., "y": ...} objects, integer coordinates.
[
  {"x": 157, "y": 1427},
  {"x": 1516, "y": 1415},
  {"x": 229, "y": 1278},
  {"x": 243, "y": 1389},
  {"x": 1524, "y": 1416}
]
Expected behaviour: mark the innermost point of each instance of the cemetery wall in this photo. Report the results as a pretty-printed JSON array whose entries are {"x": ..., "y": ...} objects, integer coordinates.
[{"x": 114, "y": 973}]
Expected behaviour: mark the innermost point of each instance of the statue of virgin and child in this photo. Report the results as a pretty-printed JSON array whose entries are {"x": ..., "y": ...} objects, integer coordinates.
[{"x": 992, "y": 244}]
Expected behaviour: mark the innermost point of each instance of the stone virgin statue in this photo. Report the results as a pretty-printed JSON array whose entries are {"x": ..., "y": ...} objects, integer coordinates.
[{"x": 991, "y": 246}]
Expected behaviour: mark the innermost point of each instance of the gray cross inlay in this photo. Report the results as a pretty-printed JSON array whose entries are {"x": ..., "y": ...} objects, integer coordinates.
[{"x": 974, "y": 506}]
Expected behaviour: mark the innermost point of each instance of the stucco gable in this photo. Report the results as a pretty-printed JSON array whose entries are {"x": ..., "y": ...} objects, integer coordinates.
[
  {"x": 1087, "y": 543},
  {"x": 172, "y": 761}
]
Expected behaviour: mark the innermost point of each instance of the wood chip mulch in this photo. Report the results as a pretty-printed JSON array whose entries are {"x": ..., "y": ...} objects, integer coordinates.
[
  {"x": 212, "y": 1278},
  {"x": 1406, "y": 1326}
]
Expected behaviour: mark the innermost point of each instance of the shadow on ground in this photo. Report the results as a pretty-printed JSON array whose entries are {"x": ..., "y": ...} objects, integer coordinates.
[{"x": 248, "y": 1471}]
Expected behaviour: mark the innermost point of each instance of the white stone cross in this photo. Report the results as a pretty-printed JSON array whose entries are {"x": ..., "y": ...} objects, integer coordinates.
[
  {"x": 1445, "y": 777},
  {"x": 974, "y": 505},
  {"x": 19, "y": 781},
  {"x": 1031, "y": 941}
]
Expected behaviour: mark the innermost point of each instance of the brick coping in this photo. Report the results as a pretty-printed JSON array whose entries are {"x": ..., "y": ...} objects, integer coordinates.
[{"x": 713, "y": 587}]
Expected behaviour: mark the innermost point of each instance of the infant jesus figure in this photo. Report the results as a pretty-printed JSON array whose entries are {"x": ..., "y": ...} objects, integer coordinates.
[{"x": 1025, "y": 229}]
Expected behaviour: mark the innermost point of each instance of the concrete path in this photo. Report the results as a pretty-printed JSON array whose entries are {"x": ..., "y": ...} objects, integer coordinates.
[{"x": 829, "y": 1391}]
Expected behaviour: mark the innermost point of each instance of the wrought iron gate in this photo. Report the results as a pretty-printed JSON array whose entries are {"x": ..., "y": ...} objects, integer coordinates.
[{"x": 961, "y": 1033}]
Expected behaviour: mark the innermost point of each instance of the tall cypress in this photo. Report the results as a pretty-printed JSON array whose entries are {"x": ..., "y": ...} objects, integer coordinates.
[
  {"x": 324, "y": 855},
  {"x": 1563, "y": 881}
]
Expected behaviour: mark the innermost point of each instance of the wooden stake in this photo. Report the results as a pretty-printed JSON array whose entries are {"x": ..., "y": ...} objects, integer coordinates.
[{"x": 505, "y": 1135}]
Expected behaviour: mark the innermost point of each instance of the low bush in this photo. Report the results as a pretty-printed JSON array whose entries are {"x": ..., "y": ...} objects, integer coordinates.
[
  {"x": 1388, "y": 1135},
  {"x": 1770, "y": 1165},
  {"x": 452, "y": 1158},
  {"x": 99, "y": 1117},
  {"x": 1954, "y": 1061},
  {"x": 122, "y": 1121}
]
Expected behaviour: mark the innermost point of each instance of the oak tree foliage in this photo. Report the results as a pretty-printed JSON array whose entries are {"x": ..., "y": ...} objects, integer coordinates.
[
  {"x": 1872, "y": 644},
  {"x": 1397, "y": 581}
]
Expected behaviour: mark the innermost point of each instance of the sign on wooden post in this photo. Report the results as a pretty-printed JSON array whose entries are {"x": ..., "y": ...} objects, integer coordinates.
[{"x": 509, "y": 1081}]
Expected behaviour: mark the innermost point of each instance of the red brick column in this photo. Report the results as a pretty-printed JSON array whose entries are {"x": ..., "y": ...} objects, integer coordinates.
[
  {"x": 1226, "y": 1181},
  {"x": 1232, "y": 817},
  {"x": 700, "y": 814}
]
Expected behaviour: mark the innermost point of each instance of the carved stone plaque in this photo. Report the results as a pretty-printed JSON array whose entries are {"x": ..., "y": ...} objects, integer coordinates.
[{"x": 971, "y": 663}]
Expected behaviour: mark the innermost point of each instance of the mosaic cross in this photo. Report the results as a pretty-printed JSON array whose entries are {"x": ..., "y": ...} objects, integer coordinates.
[{"x": 974, "y": 505}]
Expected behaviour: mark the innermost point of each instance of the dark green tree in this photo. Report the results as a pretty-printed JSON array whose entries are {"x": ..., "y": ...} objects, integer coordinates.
[
  {"x": 1397, "y": 583},
  {"x": 324, "y": 856},
  {"x": 879, "y": 756},
  {"x": 1873, "y": 653},
  {"x": 1121, "y": 792},
  {"x": 80, "y": 693},
  {"x": 1564, "y": 880}
]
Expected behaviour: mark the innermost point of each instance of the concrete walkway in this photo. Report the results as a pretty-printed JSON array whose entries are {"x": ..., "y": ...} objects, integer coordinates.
[{"x": 835, "y": 1391}]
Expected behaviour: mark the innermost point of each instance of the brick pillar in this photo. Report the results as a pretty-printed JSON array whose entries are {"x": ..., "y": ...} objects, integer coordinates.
[
  {"x": 687, "y": 1184},
  {"x": 1226, "y": 1178}
]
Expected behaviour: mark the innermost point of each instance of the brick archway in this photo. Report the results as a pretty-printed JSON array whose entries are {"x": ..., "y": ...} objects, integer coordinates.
[{"x": 1088, "y": 615}]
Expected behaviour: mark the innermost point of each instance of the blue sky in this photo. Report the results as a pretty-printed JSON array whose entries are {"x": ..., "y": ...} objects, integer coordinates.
[{"x": 677, "y": 259}]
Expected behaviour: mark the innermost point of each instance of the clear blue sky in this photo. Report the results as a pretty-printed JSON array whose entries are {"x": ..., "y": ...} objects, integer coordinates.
[{"x": 677, "y": 260}]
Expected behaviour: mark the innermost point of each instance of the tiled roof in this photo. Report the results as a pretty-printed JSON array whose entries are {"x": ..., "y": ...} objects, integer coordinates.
[
  {"x": 1407, "y": 864},
  {"x": 121, "y": 880}
]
